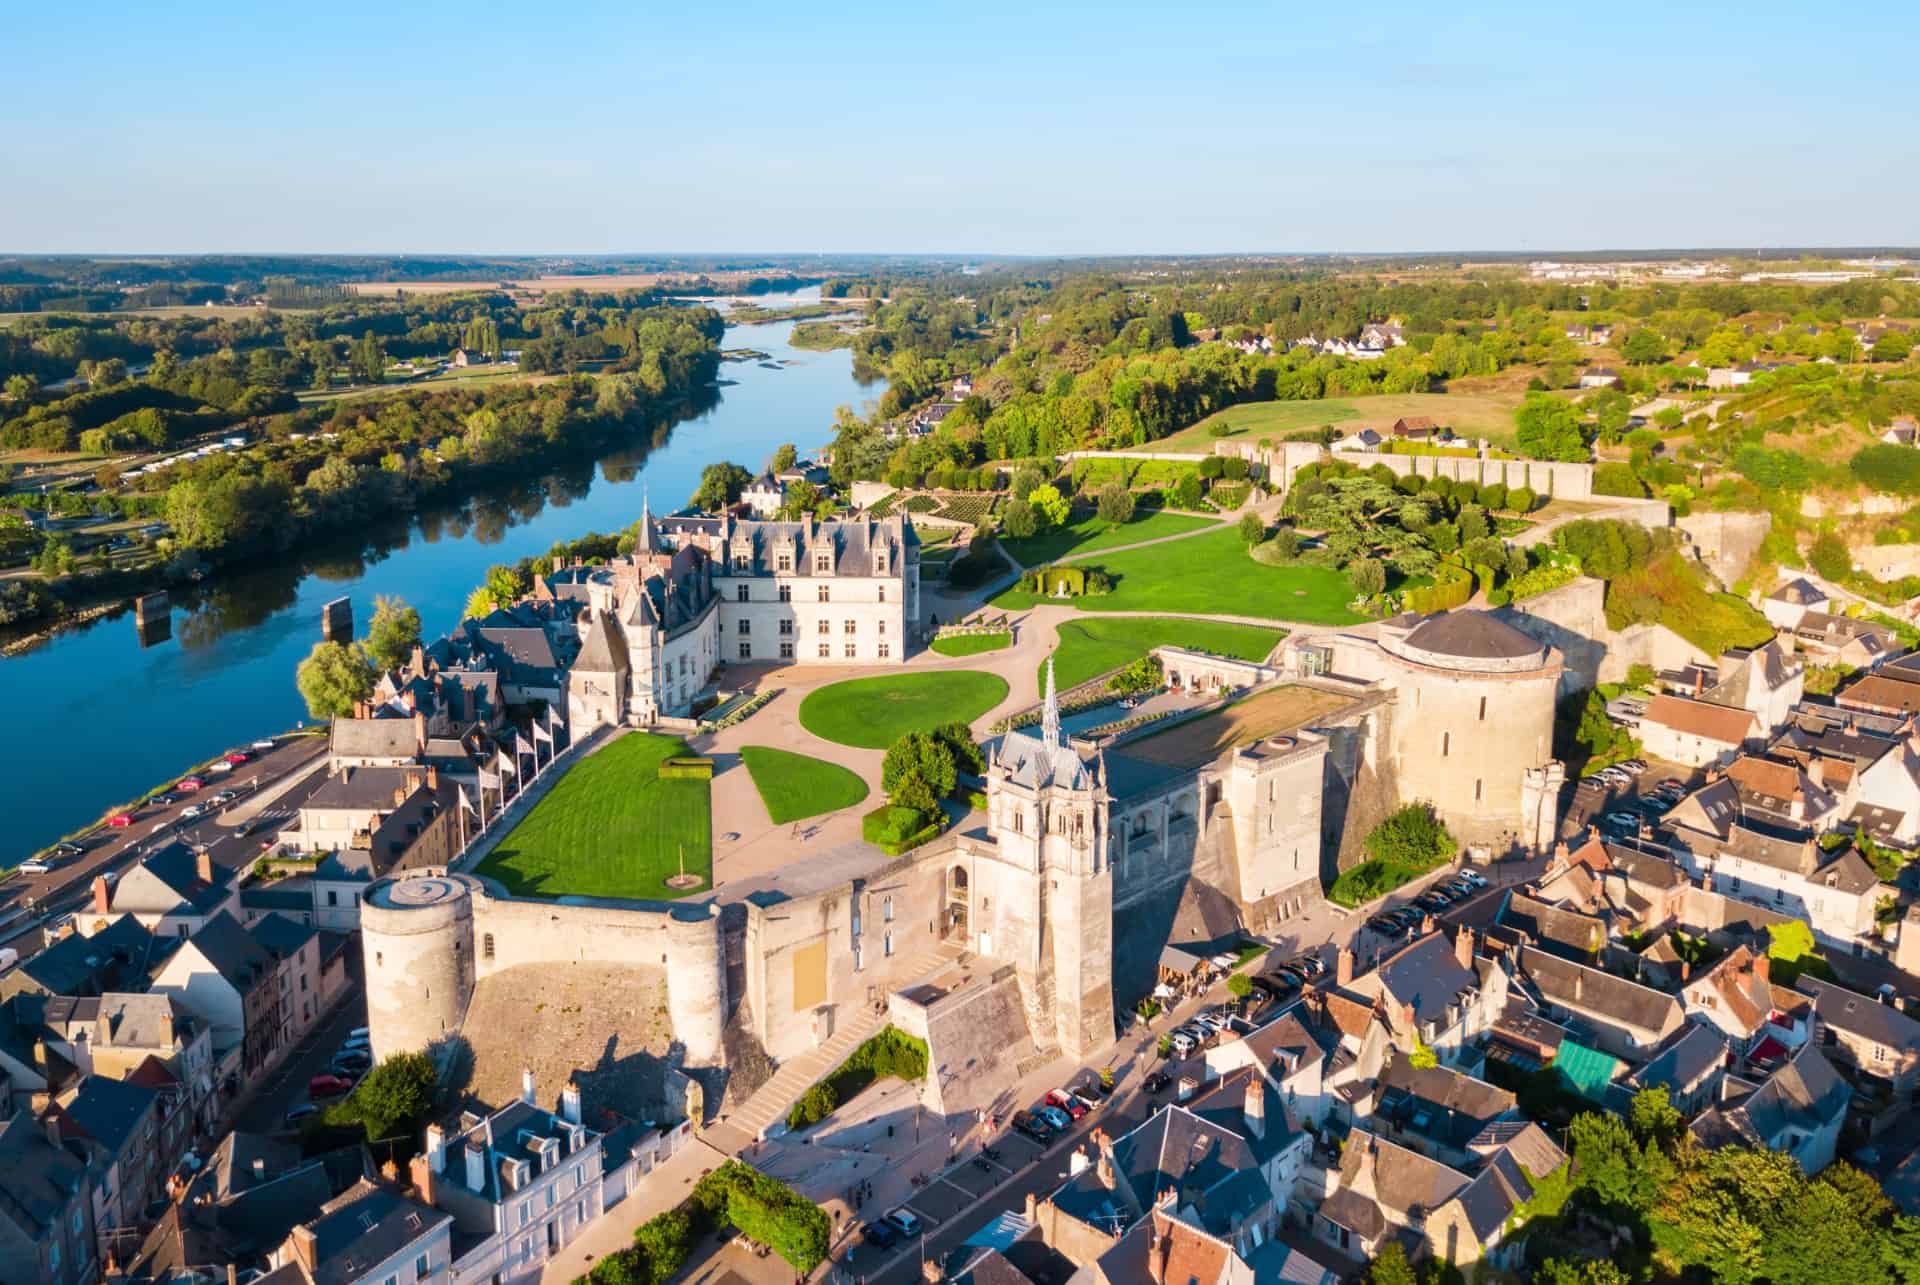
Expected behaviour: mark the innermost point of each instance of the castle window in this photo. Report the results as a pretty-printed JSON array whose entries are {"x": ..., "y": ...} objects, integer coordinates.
[
  {"x": 786, "y": 627},
  {"x": 826, "y": 651},
  {"x": 886, "y": 944},
  {"x": 784, "y": 562},
  {"x": 883, "y": 590},
  {"x": 852, "y": 650},
  {"x": 886, "y": 909},
  {"x": 740, "y": 592},
  {"x": 786, "y": 650},
  {"x": 826, "y": 627},
  {"x": 848, "y": 627},
  {"x": 885, "y": 651},
  {"x": 746, "y": 650},
  {"x": 883, "y": 629},
  {"x": 825, "y": 593},
  {"x": 786, "y": 593},
  {"x": 823, "y": 563},
  {"x": 486, "y": 946},
  {"x": 745, "y": 626},
  {"x": 1446, "y": 743}
]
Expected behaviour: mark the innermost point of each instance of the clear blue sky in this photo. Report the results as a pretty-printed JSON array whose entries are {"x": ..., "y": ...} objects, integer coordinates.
[{"x": 690, "y": 126}]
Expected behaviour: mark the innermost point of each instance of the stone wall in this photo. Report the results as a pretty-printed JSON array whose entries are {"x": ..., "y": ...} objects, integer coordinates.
[
  {"x": 1573, "y": 618},
  {"x": 977, "y": 1039},
  {"x": 1888, "y": 561},
  {"x": 1563, "y": 481},
  {"x": 1726, "y": 542}
]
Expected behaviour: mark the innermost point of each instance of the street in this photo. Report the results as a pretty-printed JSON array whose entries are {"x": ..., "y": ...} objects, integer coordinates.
[{"x": 265, "y": 1111}]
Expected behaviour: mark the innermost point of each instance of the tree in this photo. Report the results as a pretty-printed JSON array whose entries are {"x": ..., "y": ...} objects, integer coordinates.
[
  {"x": 1411, "y": 836},
  {"x": 918, "y": 771},
  {"x": 1654, "y": 1119},
  {"x": 1186, "y": 492},
  {"x": 1239, "y": 985},
  {"x": 1019, "y": 519},
  {"x": 1895, "y": 345},
  {"x": 21, "y": 388},
  {"x": 367, "y": 359},
  {"x": 1830, "y": 556},
  {"x": 1253, "y": 528},
  {"x": 392, "y": 632},
  {"x": 720, "y": 486},
  {"x": 1890, "y": 468},
  {"x": 784, "y": 457},
  {"x": 1025, "y": 479},
  {"x": 333, "y": 678},
  {"x": 395, "y": 1097},
  {"x": 1615, "y": 1170},
  {"x": 1644, "y": 347},
  {"x": 502, "y": 587},
  {"x": 1549, "y": 428},
  {"x": 1521, "y": 499},
  {"x": 1116, "y": 504},
  {"x": 1391, "y": 1268},
  {"x": 1050, "y": 506},
  {"x": 1369, "y": 575},
  {"x": 958, "y": 738},
  {"x": 1580, "y": 1271}
]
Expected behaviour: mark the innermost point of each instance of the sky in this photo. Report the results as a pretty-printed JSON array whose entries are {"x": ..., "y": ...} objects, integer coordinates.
[{"x": 978, "y": 129}]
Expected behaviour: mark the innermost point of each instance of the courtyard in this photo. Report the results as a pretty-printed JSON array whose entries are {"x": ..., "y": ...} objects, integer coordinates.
[
  {"x": 1091, "y": 646},
  {"x": 872, "y": 713},
  {"x": 611, "y": 827}
]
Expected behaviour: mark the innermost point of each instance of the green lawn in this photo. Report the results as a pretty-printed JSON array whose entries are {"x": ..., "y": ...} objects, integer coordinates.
[
  {"x": 611, "y": 827},
  {"x": 1090, "y": 647},
  {"x": 971, "y": 644},
  {"x": 1468, "y": 414},
  {"x": 794, "y": 786},
  {"x": 1091, "y": 531},
  {"x": 1211, "y": 574},
  {"x": 871, "y": 713}
]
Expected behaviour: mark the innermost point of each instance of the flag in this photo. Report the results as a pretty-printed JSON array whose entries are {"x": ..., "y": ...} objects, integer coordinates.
[
  {"x": 506, "y": 764},
  {"x": 553, "y": 719},
  {"x": 542, "y": 734},
  {"x": 489, "y": 780},
  {"x": 465, "y": 801}
]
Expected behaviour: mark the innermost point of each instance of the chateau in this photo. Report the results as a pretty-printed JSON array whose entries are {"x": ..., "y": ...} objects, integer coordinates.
[{"x": 697, "y": 592}]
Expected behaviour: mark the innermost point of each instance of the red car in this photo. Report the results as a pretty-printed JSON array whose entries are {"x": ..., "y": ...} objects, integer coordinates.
[
  {"x": 238, "y": 757},
  {"x": 189, "y": 784},
  {"x": 120, "y": 820},
  {"x": 328, "y": 1086},
  {"x": 1065, "y": 1101}
]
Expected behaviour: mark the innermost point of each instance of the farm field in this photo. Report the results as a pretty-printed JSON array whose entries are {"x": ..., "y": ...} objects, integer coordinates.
[
  {"x": 1091, "y": 532},
  {"x": 796, "y": 786},
  {"x": 871, "y": 713},
  {"x": 611, "y": 827},
  {"x": 1092, "y": 646},
  {"x": 1468, "y": 414},
  {"x": 1211, "y": 574}
]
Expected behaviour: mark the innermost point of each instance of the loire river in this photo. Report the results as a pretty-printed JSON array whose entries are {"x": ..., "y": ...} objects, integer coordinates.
[{"x": 96, "y": 718}]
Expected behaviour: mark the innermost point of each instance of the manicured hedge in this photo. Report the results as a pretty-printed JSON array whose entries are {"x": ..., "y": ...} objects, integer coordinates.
[
  {"x": 686, "y": 769},
  {"x": 895, "y": 829}
]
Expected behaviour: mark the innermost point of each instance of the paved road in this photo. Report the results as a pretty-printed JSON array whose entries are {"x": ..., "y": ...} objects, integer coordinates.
[
  {"x": 287, "y": 1085},
  {"x": 107, "y": 848}
]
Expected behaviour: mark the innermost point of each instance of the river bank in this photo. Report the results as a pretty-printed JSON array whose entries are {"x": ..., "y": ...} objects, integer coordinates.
[{"x": 109, "y": 717}]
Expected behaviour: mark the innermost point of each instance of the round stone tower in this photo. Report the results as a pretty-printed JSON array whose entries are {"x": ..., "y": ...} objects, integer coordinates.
[
  {"x": 696, "y": 981},
  {"x": 416, "y": 937},
  {"x": 1473, "y": 717}
]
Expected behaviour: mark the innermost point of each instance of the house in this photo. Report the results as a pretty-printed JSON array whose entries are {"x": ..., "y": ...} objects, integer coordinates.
[
  {"x": 1577, "y": 333},
  {"x": 1620, "y": 1017},
  {"x": 520, "y": 1183},
  {"x": 1434, "y": 1110},
  {"x": 764, "y": 496},
  {"x": 1557, "y": 930},
  {"x": 1734, "y": 997},
  {"x": 1696, "y": 733},
  {"x": 1382, "y": 1187},
  {"x": 372, "y": 1234},
  {"x": 1880, "y": 694},
  {"x": 1417, "y": 428},
  {"x": 1382, "y": 335},
  {"x": 119, "y": 1034},
  {"x": 48, "y": 1231},
  {"x": 1364, "y": 439},
  {"x": 1904, "y": 431},
  {"x": 1767, "y": 681},
  {"x": 116, "y": 955},
  {"x": 1689, "y": 1064},
  {"x": 1434, "y": 993},
  {"x": 1798, "y": 1110},
  {"x": 1842, "y": 640},
  {"x": 252, "y": 987},
  {"x": 118, "y": 1121},
  {"x": 173, "y": 893},
  {"x": 1871, "y": 1036},
  {"x": 1292, "y": 1054},
  {"x": 1600, "y": 377},
  {"x": 1786, "y": 606}
]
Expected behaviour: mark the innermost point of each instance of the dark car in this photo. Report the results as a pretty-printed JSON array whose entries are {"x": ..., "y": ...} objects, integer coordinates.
[
  {"x": 879, "y": 1235},
  {"x": 1156, "y": 1083},
  {"x": 1277, "y": 987},
  {"x": 1033, "y": 1126},
  {"x": 1312, "y": 963},
  {"x": 295, "y": 1114}
]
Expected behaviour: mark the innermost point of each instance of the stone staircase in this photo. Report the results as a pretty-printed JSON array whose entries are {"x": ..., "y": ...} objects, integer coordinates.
[{"x": 769, "y": 1106}]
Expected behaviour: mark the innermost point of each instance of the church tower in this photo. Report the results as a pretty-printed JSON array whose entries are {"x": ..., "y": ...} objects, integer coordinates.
[{"x": 1048, "y": 810}]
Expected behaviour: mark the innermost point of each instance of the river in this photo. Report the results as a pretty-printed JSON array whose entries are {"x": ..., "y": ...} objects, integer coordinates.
[{"x": 98, "y": 718}]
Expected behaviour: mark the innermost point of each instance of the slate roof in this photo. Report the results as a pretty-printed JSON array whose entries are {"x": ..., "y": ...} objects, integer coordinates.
[
  {"x": 107, "y": 1111},
  {"x": 359, "y": 789},
  {"x": 1682, "y": 1058},
  {"x": 1805, "y": 1093},
  {"x": 373, "y": 737},
  {"x": 280, "y": 936},
  {"x": 1710, "y": 722},
  {"x": 604, "y": 649},
  {"x": 1435, "y": 1102},
  {"x": 1424, "y": 975},
  {"x": 37, "y": 1179},
  {"x": 1563, "y": 932},
  {"x": 1472, "y": 635},
  {"x": 1600, "y": 994},
  {"x": 366, "y": 1226},
  {"x": 1395, "y": 1177},
  {"x": 1861, "y": 1015},
  {"x": 232, "y": 952},
  {"x": 177, "y": 869},
  {"x": 76, "y": 965}
]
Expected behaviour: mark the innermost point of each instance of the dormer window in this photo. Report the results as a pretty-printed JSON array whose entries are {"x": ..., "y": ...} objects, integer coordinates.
[
  {"x": 784, "y": 562},
  {"x": 823, "y": 563}
]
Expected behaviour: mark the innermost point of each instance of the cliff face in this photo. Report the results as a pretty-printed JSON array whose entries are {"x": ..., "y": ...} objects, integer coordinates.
[{"x": 1726, "y": 542}]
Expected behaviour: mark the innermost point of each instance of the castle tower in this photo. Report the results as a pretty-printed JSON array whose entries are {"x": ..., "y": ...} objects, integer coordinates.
[
  {"x": 1054, "y": 903},
  {"x": 416, "y": 939}
]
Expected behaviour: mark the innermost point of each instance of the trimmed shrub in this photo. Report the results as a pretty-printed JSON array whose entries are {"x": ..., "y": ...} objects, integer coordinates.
[
  {"x": 687, "y": 768},
  {"x": 895, "y": 829}
]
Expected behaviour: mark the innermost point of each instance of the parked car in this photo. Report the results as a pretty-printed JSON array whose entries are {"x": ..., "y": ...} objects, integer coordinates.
[
  {"x": 192, "y": 812},
  {"x": 1065, "y": 1101},
  {"x": 1033, "y": 1126},
  {"x": 350, "y": 1063},
  {"x": 1673, "y": 783},
  {"x": 300, "y": 1111},
  {"x": 225, "y": 796},
  {"x": 120, "y": 820},
  {"x": 328, "y": 1086},
  {"x": 1181, "y": 1043},
  {"x": 356, "y": 1039},
  {"x": 220, "y": 767},
  {"x": 1090, "y": 1093},
  {"x": 1312, "y": 963},
  {"x": 263, "y": 745},
  {"x": 188, "y": 784},
  {"x": 1635, "y": 765},
  {"x": 1054, "y": 1116},
  {"x": 237, "y": 757},
  {"x": 34, "y": 866},
  {"x": 1156, "y": 1082},
  {"x": 905, "y": 1221},
  {"x": 880, "y": 1235},
  {"x": 163, "y": 800},
  {"x": 1274, "y": 986},
  {"x": 1622, "y": 820},
  {"x": 66, "y": 849},
  {"x": 1474, "y": 877}
]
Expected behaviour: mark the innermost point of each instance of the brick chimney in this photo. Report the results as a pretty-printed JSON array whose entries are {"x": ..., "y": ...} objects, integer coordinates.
[
  {"x": 304, "y": 1247},
  {"x": 203, "y": 864},
  {"x": 1343, "y": 967},
  {"x": 1157, "y": 1257},
  {"x": 399, "y": 795},
  {"x": 1817, "y": 771},
  {"x": 433, "y": 778},
  {"x": 419, "y": 732},
  {"x": 419, "y": 661},
  {"x": 1763, "y": 967},
  {"x": 1426, "y": 925},
  {"x": 102, "y": 895},
  {"x": 421, "y": 1173},
  {"x": 1463, "y": 946},
  {"x": 413, "y": 702},
  {"x": 1255, "y": 1110}
]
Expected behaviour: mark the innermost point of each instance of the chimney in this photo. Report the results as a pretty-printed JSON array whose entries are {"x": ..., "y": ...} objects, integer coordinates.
[
  {"x": 102, "y": 895},
  {"x": 52, "y": 1122},
  {"x": 433, "y": 779},
  {"x": 570, "y": 1102},
  {"x": 1031, "y": 1210},
  {"x": 476, "y": 1166},
  {"x": 437, "y": 1148},
  {"x": 399, "y": 795},
  {"x": 1426, "y": 925},
  {"x": 1579, "y": 982},
  {"x": 390, "y": 1171},
  {"x": 526, "y": 1085},
  {"x": 1560, "y": 855},
  {"x": 423, "y": 1177},
  {"x": 1343, "y": 967},
  {"x": 1103, "y": 1166},
  {"x": 419, "y": 732},
  {"x": 413, "y": 702},
  {"x": 1255, "y": 1110},
  {"x": 1763, "y": 968},
  {"x": 419, "y": 661},
  {"x": 1157, "y": 1256},
  {"x": 1817, "y": 771},
  {"x": 1797, "y": 805},
  {"x": 304, "y": 1247},
  {"x": 1463, "y": 946},
  {"x": 203, "y": 864},
  {"x": 1699, "y": 682},
  {"x": 259, "y": 1169}
]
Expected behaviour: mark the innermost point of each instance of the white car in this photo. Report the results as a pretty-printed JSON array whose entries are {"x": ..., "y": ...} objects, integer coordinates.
[{"x": 1473, "y": 877}]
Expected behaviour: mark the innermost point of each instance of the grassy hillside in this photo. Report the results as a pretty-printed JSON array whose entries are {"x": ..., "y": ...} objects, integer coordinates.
[{"x": 1468, "y": 414}]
